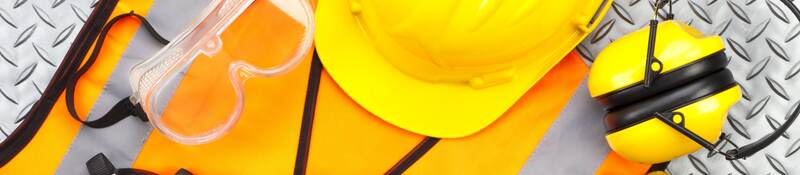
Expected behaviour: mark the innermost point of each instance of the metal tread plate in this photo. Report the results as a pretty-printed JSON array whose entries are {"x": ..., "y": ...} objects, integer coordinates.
[
  {"x": 34, "y": 37},
  {"x": 761, "y": 37}
]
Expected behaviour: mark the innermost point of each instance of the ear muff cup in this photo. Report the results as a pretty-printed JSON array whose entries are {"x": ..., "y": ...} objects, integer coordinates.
[
  {"x": 626, "y": 116},
  {"x": 692, "y": 84},
  {"x": 667, "y": 81},
  {"x": 634, "y": 133}
]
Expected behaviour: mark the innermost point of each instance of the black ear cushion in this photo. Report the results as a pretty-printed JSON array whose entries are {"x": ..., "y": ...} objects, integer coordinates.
[
  {"x": 666, "y": 81},
  {"x": 635, "y": 113}
]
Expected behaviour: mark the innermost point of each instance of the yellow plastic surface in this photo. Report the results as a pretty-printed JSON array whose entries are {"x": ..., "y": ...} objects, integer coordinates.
[
  {"x": 653, "y": 141},
  {"x": 446, "y": 68},
  {"x": 48, "y": 147},
  {"x": 622, "y": 63}
]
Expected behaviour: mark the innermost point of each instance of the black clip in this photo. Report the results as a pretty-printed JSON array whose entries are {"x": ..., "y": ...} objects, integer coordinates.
[
  {"x": 729, "y": 155},
  {"x": 675, "y": 117},
  {"x": 653, "y": 66}
]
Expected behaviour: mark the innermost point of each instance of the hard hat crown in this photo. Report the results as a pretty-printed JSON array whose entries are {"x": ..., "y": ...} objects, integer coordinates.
[
  {"x": 472, "y": 41},
  {"x": 463, "y": 62}
]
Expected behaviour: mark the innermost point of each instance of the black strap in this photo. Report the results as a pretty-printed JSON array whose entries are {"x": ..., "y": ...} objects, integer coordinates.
[
  {"x": 423, "y": 147},
  {"x": 304, "y": 144},
  {"x": 120, "y": 111},
  {"x": 752, "y": 148},
  {"x": 124, "y": 107},
  {"x": 100, "y": 165}
]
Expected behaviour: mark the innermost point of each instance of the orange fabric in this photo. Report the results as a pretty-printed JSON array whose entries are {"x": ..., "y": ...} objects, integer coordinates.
[
  {"x": 616, "y": 165},
  {"x": 253, "y": 146},
  {"x": 205, "y": 97},
  {"x": 44, "y": 153},
  {"x": 264, "y": 139},
  {"x": 346, "y": 139}
]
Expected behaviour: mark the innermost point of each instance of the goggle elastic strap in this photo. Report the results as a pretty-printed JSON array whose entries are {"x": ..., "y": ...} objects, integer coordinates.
[{"x": 124, "y": 107}]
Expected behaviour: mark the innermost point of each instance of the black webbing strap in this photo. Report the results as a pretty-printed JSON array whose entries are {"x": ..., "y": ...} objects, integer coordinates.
[
  {"x": 100, "y": 165},
  {"x": 304, "y": 144},
  {"x": 423, "y": 147},
  {"x": 120, "y": 111},
  {"x": 124, "y": 107}
]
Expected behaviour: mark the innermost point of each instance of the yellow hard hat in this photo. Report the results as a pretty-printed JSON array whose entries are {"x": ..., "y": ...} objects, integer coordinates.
[{"x": 446, "y": 68}]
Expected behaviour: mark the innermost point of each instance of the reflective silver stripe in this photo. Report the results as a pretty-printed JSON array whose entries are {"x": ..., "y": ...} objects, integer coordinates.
[
  {"x": 575, "y": 142},
  {"x": 123, "y": 141}
]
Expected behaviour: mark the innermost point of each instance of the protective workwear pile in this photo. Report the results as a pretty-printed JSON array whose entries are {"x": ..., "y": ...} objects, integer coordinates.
[{"x": 370, "y": 87}]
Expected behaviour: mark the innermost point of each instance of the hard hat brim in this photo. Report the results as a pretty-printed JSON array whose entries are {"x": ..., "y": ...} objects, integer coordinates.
[{"x": 443, "y": 110}]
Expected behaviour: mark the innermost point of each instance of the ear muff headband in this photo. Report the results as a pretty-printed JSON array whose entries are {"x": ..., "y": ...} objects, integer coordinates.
[
  {"x": 627, "y": 116},
  {"x": 666, "y": 81}
]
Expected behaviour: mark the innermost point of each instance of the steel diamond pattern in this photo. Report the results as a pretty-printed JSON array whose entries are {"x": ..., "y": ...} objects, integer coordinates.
[
  {"x": 760, "y": 37},
  {"x": 34, "y": 37}
]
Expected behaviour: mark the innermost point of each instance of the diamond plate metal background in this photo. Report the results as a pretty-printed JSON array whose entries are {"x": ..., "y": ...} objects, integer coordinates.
[
  {"x": 34, "y": 37},
  {"x": 761, "y": 38}
]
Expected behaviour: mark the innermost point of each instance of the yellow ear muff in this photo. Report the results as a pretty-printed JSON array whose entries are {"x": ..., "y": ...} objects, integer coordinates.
[{"x": 693, "y": 87}]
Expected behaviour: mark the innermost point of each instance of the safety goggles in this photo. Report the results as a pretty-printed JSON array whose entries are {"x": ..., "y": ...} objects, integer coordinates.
[{"x": 193, "y": 91}]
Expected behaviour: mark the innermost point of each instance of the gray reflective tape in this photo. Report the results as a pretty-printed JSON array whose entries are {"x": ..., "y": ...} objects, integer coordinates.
[
  {"x": 575, "y": 142},
  {"x": 123, "y": 141}
]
